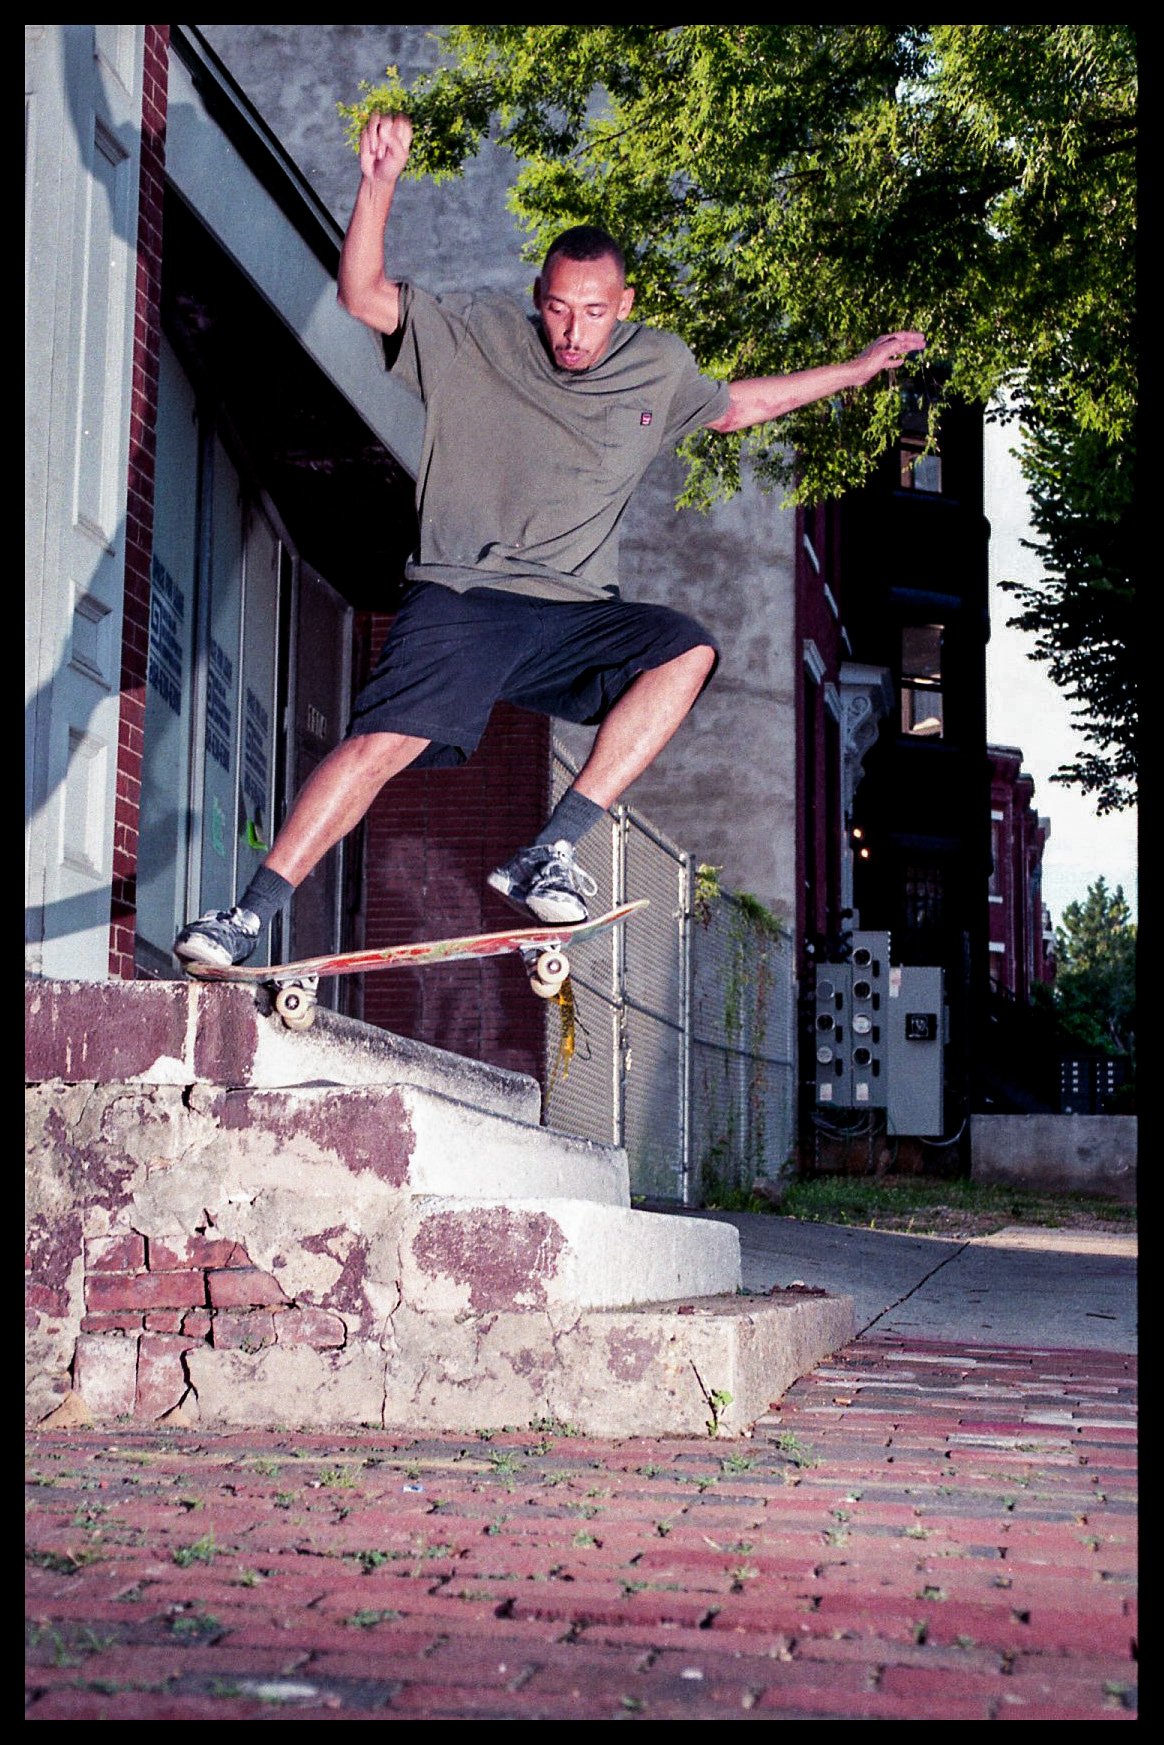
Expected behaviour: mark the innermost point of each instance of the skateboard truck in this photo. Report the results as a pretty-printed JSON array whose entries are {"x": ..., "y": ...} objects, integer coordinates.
[{"x": 547, "y": 970}]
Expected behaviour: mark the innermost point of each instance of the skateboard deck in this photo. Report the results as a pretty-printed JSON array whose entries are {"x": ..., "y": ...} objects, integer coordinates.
[{"x": 543, "y": 949}]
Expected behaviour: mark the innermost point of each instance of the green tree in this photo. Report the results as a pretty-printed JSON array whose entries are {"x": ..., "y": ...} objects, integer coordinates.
[
  {"x": 1095, "y": 979},
  {"x": 1083, "y": 614},
  {"x": 786, "y": 191}
]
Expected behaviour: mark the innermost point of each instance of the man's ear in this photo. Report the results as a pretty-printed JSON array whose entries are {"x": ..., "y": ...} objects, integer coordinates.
[
  {"x": 626, "y": 302},
  {"x": 537, "y": 292}
]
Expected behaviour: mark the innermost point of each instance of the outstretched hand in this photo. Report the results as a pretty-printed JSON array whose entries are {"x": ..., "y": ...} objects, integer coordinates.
[
  {"x": 889, "y": 352},
  {"x": 384, "y": 146}
]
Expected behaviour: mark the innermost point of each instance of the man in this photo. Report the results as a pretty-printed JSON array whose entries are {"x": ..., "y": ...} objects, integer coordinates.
[{"x": 537, "y": 432}]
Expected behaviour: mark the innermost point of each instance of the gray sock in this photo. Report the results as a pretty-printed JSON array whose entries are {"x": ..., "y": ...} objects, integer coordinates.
[
  {"x": 267, "y": 893},
  {"x": 570, "y": 819}
]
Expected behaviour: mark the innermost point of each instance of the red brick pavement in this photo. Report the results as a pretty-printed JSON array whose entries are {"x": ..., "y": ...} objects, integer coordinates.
[{"x": 918, "y": 1531}]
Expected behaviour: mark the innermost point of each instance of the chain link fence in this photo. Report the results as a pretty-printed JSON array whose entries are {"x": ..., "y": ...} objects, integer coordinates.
[{"x": 684, "y": 1023}]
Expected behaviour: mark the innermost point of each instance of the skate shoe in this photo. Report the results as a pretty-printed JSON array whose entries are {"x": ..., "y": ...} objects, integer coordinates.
[
  {"x": 546, "y": 880},
  {"x": 223, "y": 936}
]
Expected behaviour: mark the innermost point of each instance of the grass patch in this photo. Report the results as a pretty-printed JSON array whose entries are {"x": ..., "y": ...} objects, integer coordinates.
[{"x": 927, "y": 1206}]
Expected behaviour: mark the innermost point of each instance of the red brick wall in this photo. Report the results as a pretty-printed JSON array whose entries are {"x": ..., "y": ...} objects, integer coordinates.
[
  {"x": 430, "y": 841},
  {"x": 148, "y": 1303},
  {"x": 139, "y": 517}
]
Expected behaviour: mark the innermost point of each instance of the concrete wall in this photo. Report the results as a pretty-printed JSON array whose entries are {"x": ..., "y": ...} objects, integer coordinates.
[
  {"x": 1082, "y": 1154},
  {"x": 725, "y": 787}
]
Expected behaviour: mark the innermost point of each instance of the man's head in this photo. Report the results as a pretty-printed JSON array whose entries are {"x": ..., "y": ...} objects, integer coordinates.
[{"x": 580, "y": 294}]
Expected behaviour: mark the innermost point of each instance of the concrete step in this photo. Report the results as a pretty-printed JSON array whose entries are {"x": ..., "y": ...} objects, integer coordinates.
[
  {"x": 312, "y": 1139},
  {"x": 186, "y": 1032},
  {"x": 338, "y": 1227},
  {"x": 489, "y": 1257},
  {"x": 691, "y": 1367}
]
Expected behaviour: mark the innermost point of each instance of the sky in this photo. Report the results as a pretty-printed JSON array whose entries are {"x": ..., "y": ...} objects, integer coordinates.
[{"x": 1024, "y": 708}]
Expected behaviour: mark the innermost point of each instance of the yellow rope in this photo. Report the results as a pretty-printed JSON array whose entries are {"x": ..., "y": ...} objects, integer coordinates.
[{"x": 568, "y": 1026}]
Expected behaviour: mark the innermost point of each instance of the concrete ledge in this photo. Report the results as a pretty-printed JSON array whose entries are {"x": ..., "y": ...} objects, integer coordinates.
[
  {"x": 1081, "y": 1154},
  {"x": 694, "y": 1368},
  {"x": 186, "y": 1033},
  {"x": 557, "y": 1257}
]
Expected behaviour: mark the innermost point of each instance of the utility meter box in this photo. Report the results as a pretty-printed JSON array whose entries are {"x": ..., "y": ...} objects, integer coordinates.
[
  {"x": 849, "y": 1026},
  {"x": 831, "y": 1036},
  {"x": 868, "y": 997},
  {"x": 916, "y": 1035}
]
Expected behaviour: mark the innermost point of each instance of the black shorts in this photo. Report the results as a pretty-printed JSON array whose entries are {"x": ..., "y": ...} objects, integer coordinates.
[{"x": 450, "y": 657}]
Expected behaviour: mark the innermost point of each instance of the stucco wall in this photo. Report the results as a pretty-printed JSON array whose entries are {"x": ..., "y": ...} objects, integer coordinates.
[{"x": 1088, "y": 1154}]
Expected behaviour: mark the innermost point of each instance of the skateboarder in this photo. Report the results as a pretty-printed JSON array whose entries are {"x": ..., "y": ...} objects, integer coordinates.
[{"x": 537, "y": 432}]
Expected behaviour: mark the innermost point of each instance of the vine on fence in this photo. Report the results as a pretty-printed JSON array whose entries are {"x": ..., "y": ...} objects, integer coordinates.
[{"x": 733, "y": 1159}]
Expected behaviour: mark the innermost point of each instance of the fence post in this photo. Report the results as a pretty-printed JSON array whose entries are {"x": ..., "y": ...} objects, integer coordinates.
[
  {"x": 686, "y": 1003},
  {"x": 618, "y": 979}
]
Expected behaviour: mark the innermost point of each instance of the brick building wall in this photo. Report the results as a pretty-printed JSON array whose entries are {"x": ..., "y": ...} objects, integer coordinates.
[{"x": 139, "y": 509}]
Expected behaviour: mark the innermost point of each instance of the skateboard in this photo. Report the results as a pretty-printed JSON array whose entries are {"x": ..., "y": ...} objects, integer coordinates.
[{"x": 294, "y": 986}]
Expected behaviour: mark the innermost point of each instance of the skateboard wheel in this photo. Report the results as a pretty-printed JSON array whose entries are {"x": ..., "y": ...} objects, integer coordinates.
[
  {"x": 552, "y": 969},
  {"x": 544, "y": 990},
  {"x": 296, "y": 1008}
]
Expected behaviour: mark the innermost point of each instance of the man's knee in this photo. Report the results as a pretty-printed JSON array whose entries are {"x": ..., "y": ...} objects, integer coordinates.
[{"x": 378, "y": 755}]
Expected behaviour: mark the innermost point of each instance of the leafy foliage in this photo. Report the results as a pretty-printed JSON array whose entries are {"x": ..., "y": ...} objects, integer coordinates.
[
  {"x": 1083, "y": 614},
  {"x": 786, "y": 191},
  {"x": 1095, "y": 979}
]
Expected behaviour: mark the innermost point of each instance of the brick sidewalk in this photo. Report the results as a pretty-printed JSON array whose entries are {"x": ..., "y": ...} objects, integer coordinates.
[{"x": 920, "y": 1531}]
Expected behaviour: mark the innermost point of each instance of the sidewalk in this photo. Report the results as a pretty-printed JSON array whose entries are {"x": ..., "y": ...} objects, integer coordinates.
[{"x": 923, "y": 1528}]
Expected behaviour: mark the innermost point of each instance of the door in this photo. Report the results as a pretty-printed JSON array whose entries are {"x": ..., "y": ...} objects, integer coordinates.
[{"x": 82, "y": 155}]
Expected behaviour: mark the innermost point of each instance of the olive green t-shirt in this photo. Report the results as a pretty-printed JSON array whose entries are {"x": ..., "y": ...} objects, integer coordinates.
[{"x": 526, "y": 469}]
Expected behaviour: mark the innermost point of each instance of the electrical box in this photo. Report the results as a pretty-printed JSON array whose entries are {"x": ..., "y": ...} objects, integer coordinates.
[
  {"x": 849, "y": 1031},
  {"x": 868, "y": 994},
  {"x": 916, "y": 1036},
  {"x": 831, "y": 1036}
]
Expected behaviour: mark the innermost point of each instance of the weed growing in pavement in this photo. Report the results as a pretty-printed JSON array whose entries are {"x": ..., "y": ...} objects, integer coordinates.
[
  {"x": 554, "y": 1427},
  {"x": 266, "y": 1467},
  {"x": 70, "y": 1653},
  {"x": 368, "y": 1619},
  {"x": 201, "y": 1551},
  {"x": 370, "y": 1560},
  {"x": 738, "y": 1463},
  {"x": 66, "y": 1562},
  {"x": 718, "y": 1400},
  {"x": 338, "y": 1477},
  {"x": 788, "y": 1444},
  {"x": 196, "y": 1626}
]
